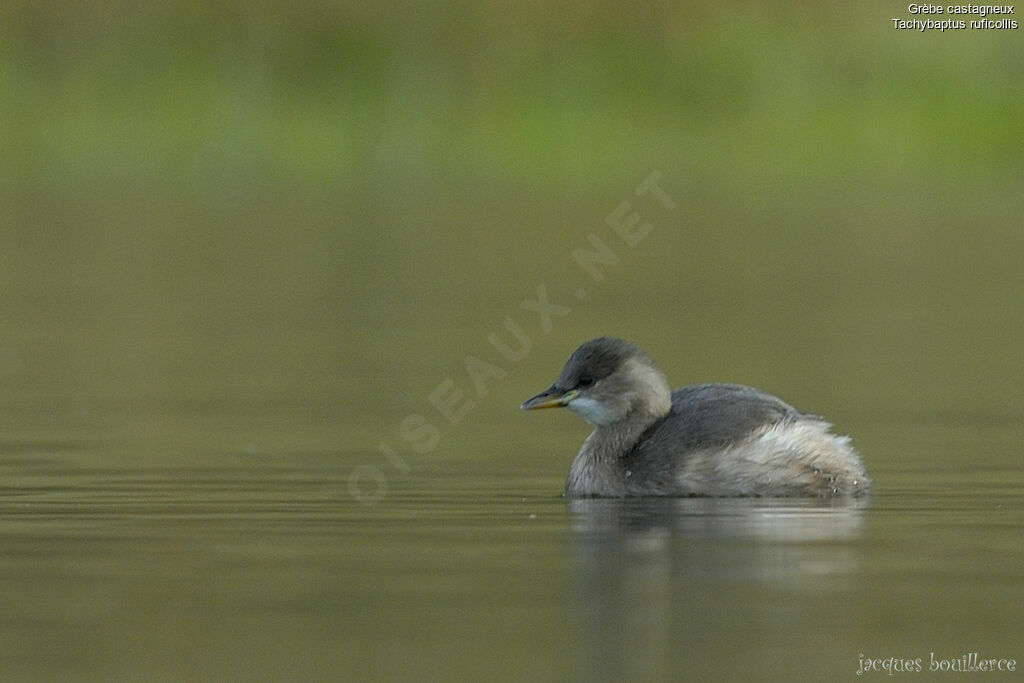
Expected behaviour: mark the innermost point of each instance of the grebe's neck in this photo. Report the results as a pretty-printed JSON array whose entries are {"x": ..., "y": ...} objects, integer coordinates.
[{"x": 596, "y": 471}]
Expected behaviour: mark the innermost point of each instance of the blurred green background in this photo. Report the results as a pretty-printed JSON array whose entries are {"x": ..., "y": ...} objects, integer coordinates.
[{"x": 335, "y": 203}]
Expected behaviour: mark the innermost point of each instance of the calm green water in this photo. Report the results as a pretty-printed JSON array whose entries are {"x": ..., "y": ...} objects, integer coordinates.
[
  {"x": 255, "y": 562},
  {"x": 237, "y": 460},
  {"x": 231, "y": 459}
]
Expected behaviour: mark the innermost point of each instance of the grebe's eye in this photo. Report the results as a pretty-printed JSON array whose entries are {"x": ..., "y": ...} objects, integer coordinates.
[{"x": 585, "y": 381}]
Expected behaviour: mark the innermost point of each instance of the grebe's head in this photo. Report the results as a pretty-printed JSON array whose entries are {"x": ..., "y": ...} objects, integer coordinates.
[{"x": 605, "y": 381}]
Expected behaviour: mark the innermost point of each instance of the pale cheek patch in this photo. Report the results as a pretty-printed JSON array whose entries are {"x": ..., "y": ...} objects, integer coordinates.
[{"x": 591, "y": 411}]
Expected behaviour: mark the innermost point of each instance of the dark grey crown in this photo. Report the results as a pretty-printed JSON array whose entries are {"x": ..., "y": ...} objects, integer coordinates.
[{"x": 597, "y": 359}]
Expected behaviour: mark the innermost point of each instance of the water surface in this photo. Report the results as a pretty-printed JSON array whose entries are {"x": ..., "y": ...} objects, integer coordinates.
[{"x": 259, "y": 564}]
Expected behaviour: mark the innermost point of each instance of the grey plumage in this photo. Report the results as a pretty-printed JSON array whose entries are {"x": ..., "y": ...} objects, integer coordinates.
[{"x": 707, "y": 439}]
